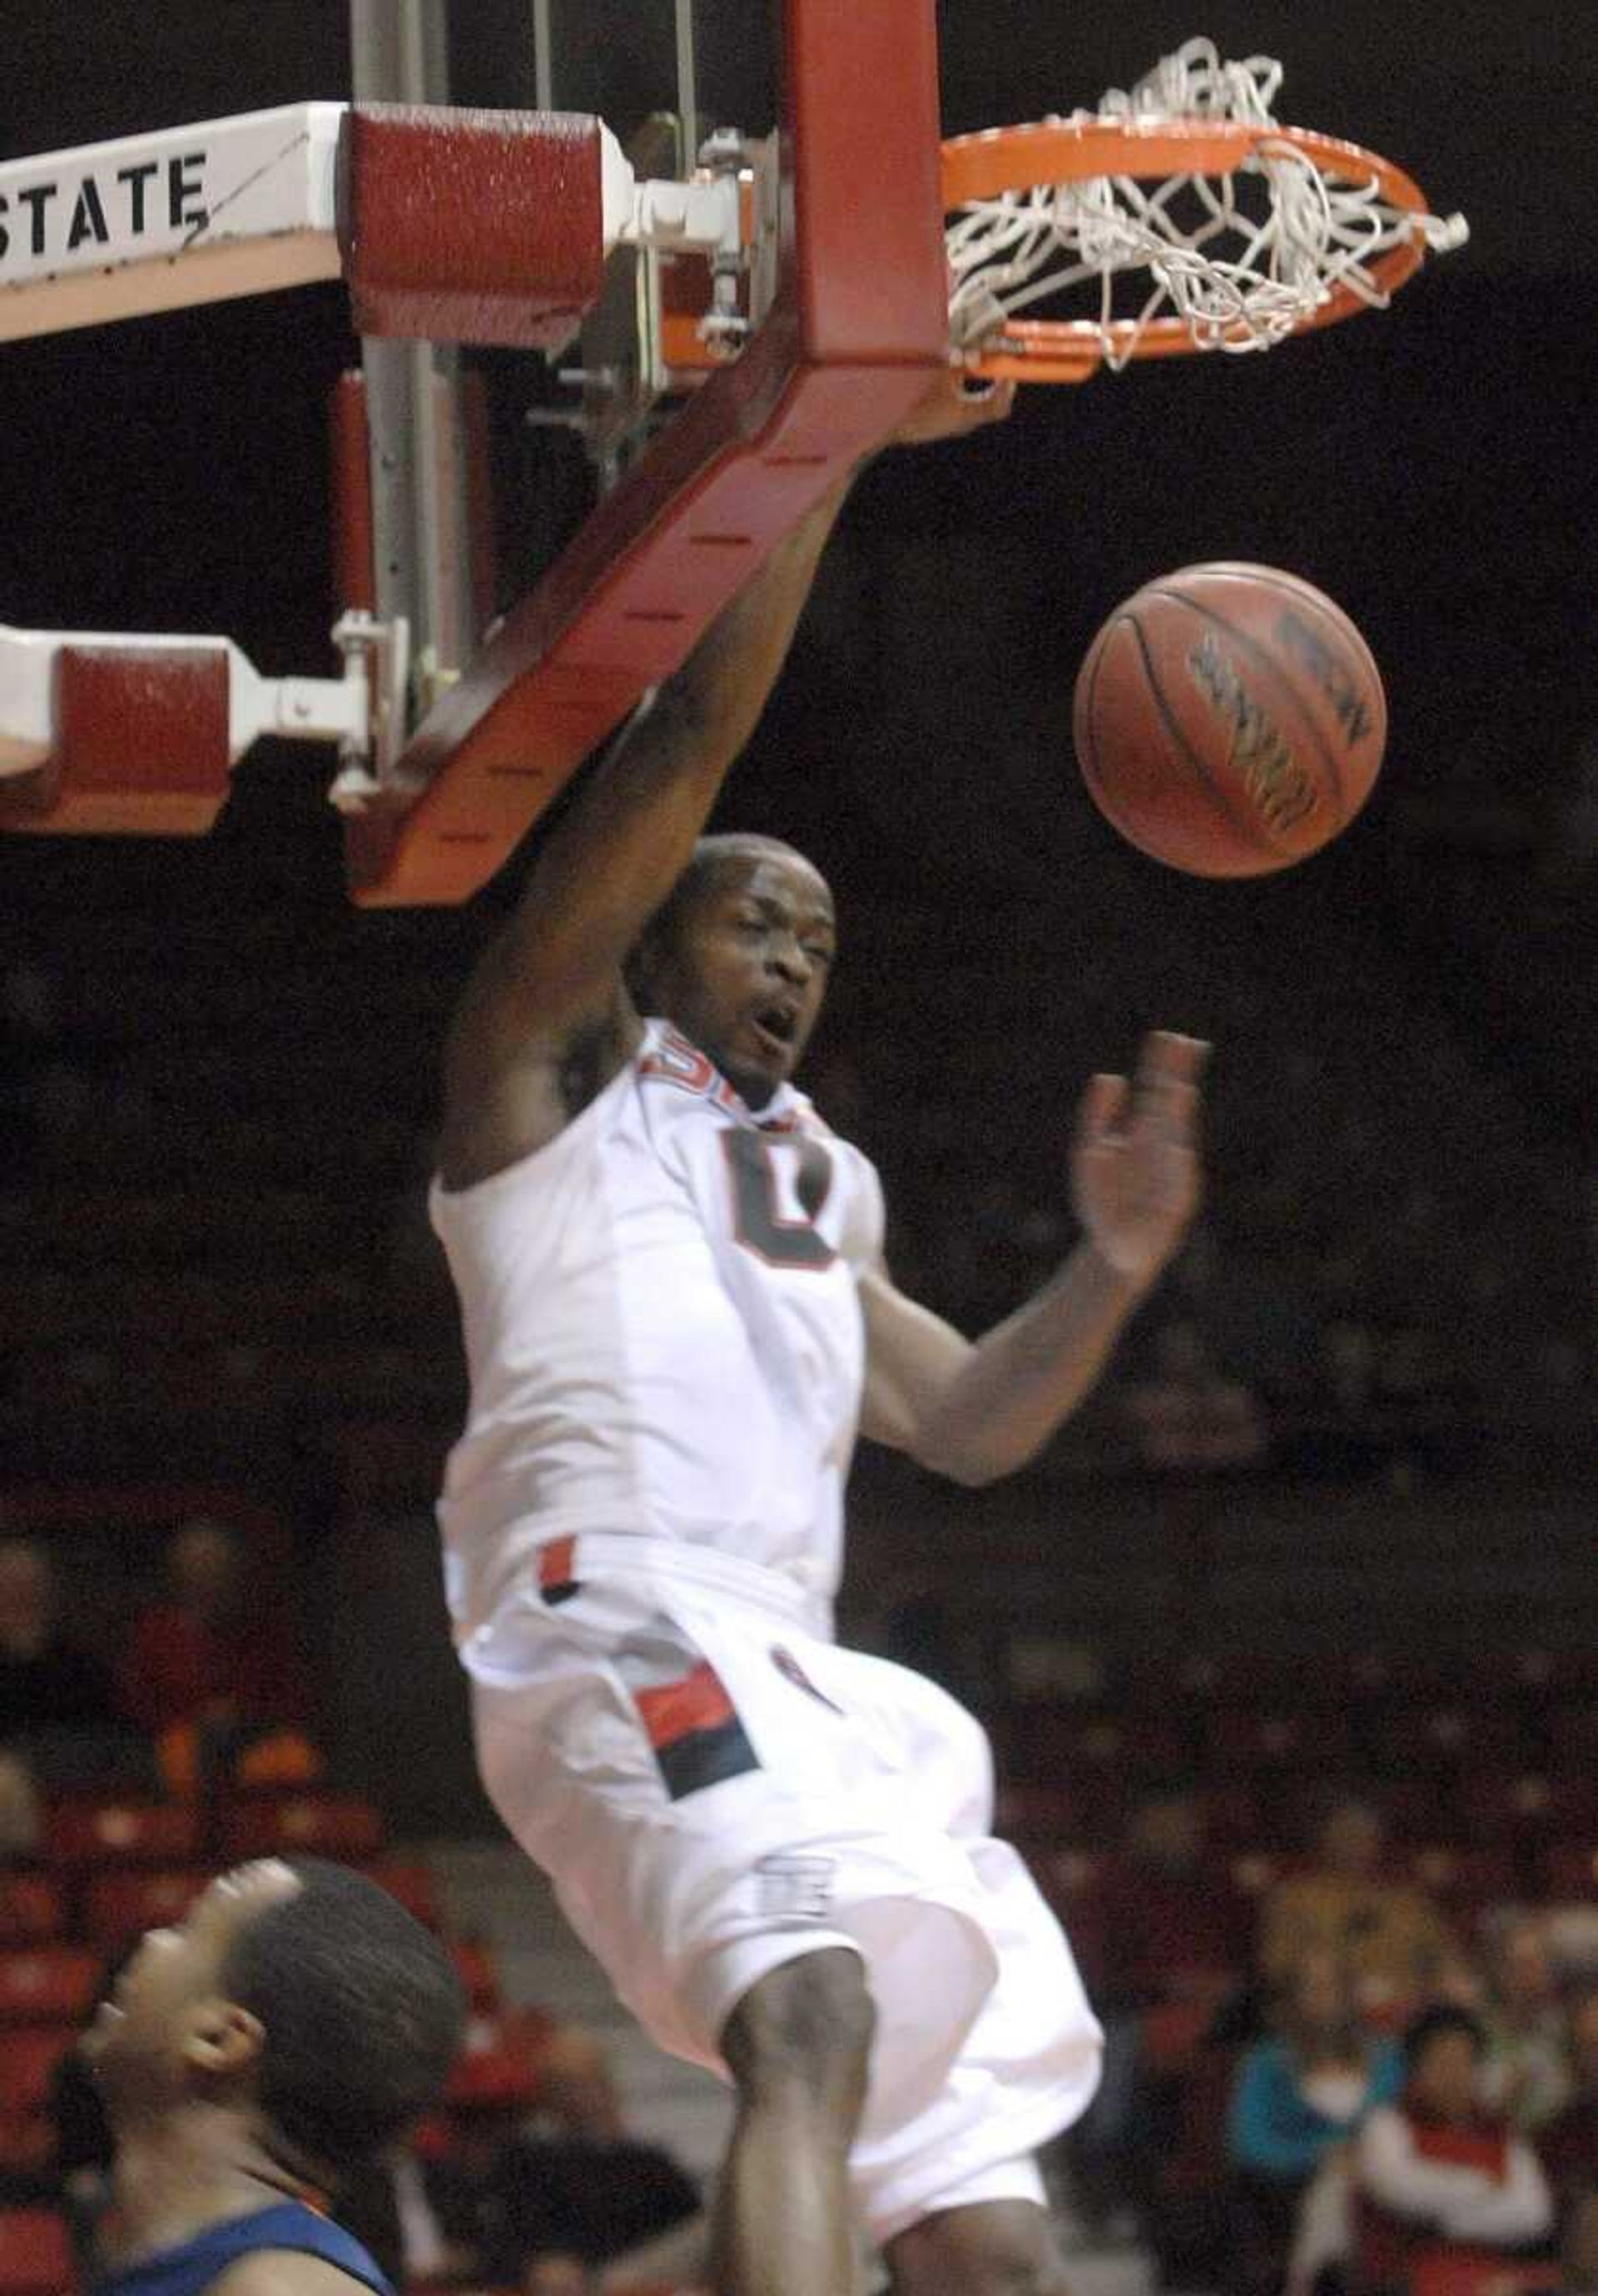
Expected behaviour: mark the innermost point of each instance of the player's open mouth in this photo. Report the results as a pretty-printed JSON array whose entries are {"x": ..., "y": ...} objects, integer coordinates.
[{"x": 778, "y": 1024}]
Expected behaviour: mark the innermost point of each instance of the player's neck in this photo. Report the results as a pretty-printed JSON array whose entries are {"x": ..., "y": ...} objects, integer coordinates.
[{"x": 178, "y": 2174}]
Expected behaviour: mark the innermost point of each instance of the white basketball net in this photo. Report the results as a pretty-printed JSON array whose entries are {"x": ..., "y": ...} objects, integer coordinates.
[{"x": 1243, "y": 258}]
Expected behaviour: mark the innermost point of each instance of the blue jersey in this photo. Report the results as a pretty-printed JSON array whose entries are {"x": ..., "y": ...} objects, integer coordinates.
[{"x": 195, "y": 2264}]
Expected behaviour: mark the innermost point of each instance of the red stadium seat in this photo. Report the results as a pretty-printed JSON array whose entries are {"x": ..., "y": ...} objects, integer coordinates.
[
  {"x": 35, "y": 2256},
  {"x": 1444, "y": 1733},
  {"x": 1550, "y": 1672},
  {"x": 1418, "y": 1811},
  {"x": 1446, "y": 2273},
  {"x": 1273, "y": 1737},
  {"x": 1572, "y": 1728},
  {"x": 1058, "y": 1738},
  {"x": 1033, "y": 1813},
  {"x": 42, "y": 1984},
  {"x": 31, "y": 1912},
  {"x": 29, "y": 2057},
  {"x": 1529, "y": 1809},
  {"x": 311, "y": 1823},
  {"x": 413, "y": 1887},
  {"x": 120, "y": 1904},
  {"x": 480, "y": 1978},
  {"x": 1234, "y": 1816},
  {"x": 499, "y": 2066},
  {"x": 1569, "y": 1870},
  {"x": 1067, "y": 1879},
  {"x": 26, "y": 2061},
  {"x": 1225, "y": 1674},
  {"x": 82, "y": 1831}
]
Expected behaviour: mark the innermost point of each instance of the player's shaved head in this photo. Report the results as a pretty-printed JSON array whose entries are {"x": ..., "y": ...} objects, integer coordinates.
[
  {"x": 717, "y": 862},
  {"x": 716, "y": 859}
]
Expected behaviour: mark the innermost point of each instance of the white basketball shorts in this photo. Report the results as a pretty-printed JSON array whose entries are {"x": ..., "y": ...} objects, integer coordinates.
[{"x": 713, "y": 1791}]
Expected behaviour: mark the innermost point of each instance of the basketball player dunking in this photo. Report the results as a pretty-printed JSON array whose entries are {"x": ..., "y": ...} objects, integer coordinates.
[
  {"x": 251, "y": 2062},
  {"x": 677, "y": 1313}
]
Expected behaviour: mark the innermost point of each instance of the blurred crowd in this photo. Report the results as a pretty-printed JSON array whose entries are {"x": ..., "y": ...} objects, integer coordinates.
[
  {"x": 1332, "y": 2085},
  {"x": 204, "y": 1685},
  {"x": 134, "y": 1762},
  {"x": 1352, "y": 2030}
]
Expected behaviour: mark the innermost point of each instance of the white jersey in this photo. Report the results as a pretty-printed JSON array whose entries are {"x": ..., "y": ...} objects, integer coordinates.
[{"x": 663, "y": 1333}]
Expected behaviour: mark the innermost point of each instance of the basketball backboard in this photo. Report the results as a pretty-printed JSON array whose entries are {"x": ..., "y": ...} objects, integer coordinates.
[{"x": 668, "y": 364}]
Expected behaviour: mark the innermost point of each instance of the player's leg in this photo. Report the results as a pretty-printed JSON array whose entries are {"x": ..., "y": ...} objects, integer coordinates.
[
  {"x": 993, "y": 2247},
  {"x": 797, "y": 2046}
]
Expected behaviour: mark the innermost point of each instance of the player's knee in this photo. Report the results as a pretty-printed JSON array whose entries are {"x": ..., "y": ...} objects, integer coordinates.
[
  {"x": 1014, "y": 2276},
  {"x": 807, "y": 2025},
  {"x": 988, "y": 2250},
  {"x": 996, "y": 2274}
]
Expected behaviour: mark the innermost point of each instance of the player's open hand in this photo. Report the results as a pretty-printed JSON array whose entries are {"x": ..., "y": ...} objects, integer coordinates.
[
  {"x": 954, "y": 407},
  {"x": 1134, "y": 1165}
]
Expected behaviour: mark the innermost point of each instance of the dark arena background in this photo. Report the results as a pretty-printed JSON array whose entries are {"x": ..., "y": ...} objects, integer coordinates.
[{"x": 1327, "y": 1528}]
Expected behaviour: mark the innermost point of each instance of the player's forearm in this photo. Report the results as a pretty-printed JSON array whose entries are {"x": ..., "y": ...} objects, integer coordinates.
[
  {"x": 630, "y": 829},
  {"x": 726, "y": 682},
  {"x": 1023, "y": 1379}
]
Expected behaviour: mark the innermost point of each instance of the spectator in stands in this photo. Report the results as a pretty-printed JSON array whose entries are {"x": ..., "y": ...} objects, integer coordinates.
[
  {"x": 1528, "y": 2073},
  {"x": 420, "y": 2216},
  {"x": 1189, "y": 1418},
  {"x": 1568, "y": 2144},
  {"x": 1172, "y": 1939},
  {"x": 1299, "y": 2096},
  {"x": 568, "y": 2184},
  {"x": 57, "y": 1708},
  {"x": 525, "y": 2186},
  {"x": 1439, "y": 2178},
  {"x": 214, "y": 1678},
  {"x": 1392, "y": 1938}
]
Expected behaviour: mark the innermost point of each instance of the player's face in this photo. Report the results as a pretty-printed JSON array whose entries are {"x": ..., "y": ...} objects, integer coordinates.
[
  {"x": 747, "y": 973},
  {"x": 168, "y": 2011}
]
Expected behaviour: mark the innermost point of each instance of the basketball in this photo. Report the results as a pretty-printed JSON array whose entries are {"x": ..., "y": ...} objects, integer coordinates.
[{"x": 1229, "y": 720}]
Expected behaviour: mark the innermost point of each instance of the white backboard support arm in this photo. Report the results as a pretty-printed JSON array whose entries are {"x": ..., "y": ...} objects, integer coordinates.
[{"x": 242, "y": 206}]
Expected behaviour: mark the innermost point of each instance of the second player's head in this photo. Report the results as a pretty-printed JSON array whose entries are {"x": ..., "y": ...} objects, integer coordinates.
[
  {"x": 298, "y": 2004},
  {"x": 739, "y": 956}
]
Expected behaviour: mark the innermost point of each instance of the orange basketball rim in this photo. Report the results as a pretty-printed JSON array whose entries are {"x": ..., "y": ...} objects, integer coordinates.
[{"x": 1178, "y": 218}]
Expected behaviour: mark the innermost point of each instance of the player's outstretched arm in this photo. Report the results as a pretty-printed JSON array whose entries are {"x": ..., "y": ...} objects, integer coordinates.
[
  {"x": 545, "y": 1022},
  {"x": 977, "y": 1411}
]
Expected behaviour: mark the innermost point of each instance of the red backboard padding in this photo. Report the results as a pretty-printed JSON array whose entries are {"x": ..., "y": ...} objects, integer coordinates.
[
  {"x": 470, "y": 226},
  {"x": 170, "y": 782}
]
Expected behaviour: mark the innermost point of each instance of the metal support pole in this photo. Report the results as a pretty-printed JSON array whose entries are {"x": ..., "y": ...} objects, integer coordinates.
[
  {"x": 544, "y": 59},
  {"x": 399, "y": 51},
  {"x": 687, "y": 82}
]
